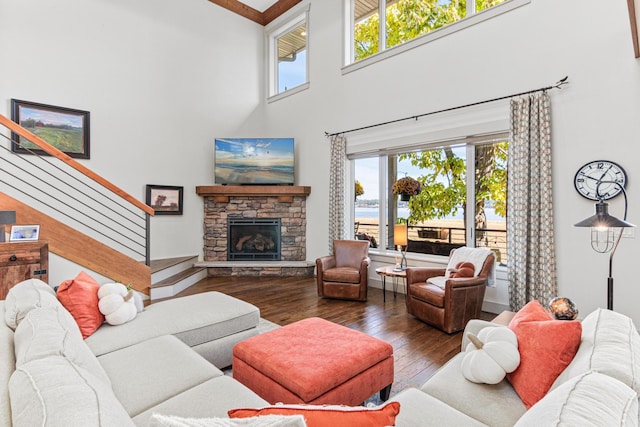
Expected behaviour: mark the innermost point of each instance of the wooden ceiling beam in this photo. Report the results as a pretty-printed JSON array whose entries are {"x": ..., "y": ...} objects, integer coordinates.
[
  {"x": 634, "y": 18},
  {"x": 277, "y": 9},
  {"x": 262, "y": 18},
  {"x": 241, "y": 9}
]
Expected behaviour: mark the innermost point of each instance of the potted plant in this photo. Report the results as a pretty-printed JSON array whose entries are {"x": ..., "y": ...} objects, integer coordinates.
[
  {"x": 406, "y": 187},
  {"x": 359, "y": 189}
]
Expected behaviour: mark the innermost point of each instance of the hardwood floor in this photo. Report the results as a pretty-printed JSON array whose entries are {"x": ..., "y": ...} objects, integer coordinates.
[{"x": 419, "y": 349}]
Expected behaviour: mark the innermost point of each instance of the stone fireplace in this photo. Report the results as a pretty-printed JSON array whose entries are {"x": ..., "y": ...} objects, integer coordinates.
[{"x": 263, "y": 215}]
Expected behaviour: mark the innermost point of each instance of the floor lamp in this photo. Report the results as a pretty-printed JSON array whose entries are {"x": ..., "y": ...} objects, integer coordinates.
[
  {"x": 400, "y": 239},
  {"x": 602, "y": 236}
]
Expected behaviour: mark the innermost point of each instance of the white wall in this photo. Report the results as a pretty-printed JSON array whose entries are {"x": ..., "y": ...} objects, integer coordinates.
[
  {"x": 596, "y": 116},
  {"x": 161, "y": 79}
]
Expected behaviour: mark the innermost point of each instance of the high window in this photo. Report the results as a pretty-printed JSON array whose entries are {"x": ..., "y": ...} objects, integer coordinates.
[
  {"x": 288, "y": 54},
  {"x": 462, "y": 201},
  {"x": 377, "y": 25}
]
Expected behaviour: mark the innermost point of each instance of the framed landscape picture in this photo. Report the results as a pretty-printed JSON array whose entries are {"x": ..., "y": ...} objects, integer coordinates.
[
  {"x": 64, "y": 128},
  {"x": 165, "y": 199}
]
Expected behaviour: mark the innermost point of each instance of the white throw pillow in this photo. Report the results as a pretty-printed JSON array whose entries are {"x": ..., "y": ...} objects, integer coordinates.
[
  {"x": 590, "y": 399},
  {"x": 439, "y": 281}
]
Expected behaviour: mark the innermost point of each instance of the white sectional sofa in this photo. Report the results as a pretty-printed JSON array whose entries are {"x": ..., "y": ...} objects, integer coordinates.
[
  {"x": 600, "y": 387},
  {"x": 120, "y": 375}
]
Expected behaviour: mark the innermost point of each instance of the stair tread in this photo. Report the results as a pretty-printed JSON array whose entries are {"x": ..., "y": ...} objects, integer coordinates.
[
  {"x": 161, "y": 264},
  {"x": 169, "y": 281}
]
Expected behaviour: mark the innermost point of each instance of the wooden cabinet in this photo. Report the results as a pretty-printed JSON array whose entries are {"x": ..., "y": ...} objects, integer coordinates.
[{"x": 20, "y": 261}]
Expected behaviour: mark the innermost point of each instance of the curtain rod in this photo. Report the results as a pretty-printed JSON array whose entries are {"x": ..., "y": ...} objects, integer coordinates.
[{"x": 557, "y": 85}]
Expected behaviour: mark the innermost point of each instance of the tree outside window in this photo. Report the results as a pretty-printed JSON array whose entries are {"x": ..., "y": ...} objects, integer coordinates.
[{"x": 404, "y": 20}]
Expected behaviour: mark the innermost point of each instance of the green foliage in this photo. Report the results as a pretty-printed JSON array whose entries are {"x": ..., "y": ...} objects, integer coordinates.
[
  {"x": 444, "y": 188},
  {"x": 359, "y": 189},
  {"x": 69, "y": 140},
  {"x": 408, "y": 19},
  {"x": 365, "y": 37}
]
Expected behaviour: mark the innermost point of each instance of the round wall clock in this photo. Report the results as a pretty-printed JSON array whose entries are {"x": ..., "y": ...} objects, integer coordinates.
[{"x": 609, "y": 175}]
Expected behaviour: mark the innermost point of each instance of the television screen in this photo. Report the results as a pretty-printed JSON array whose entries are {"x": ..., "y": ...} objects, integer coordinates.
[{"x": 254, "y": 161}]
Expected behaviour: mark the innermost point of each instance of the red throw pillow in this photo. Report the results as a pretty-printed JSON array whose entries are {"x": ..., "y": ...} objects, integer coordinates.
[
  {"x": 329, "y": 415},
  {"x": 546, "y": 347},
  {"x": 80, "y": 297},
  {"x": 464, "y": 269}
]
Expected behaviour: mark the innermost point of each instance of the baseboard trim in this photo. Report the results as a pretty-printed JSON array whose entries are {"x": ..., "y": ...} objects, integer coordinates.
[{"x": 494, "y": 307}]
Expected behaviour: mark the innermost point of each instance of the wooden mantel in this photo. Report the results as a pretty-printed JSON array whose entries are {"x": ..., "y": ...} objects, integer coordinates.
[{"x": 222, "y": 193}]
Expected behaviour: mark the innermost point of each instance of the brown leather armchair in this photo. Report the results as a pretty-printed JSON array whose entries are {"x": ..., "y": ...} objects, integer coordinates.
[
  {"x": 344, "y": 274},
  {"x": 448, "y": 309}
]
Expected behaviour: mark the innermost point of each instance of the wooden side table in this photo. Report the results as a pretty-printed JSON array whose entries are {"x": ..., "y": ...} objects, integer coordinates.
[
  {"x": 390, "y": 271},
  {"x": 21, "y": 261}
]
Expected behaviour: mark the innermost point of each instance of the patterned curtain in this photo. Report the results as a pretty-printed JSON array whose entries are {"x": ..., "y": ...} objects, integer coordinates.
[
  {"x": 337, "y": 188},
  {"x": 532, "y": 265}
]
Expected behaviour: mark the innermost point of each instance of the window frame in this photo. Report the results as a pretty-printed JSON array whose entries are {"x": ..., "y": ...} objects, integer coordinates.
[
  {"x": 273, "y": 33},
  {"x": 383, "y": 53}
]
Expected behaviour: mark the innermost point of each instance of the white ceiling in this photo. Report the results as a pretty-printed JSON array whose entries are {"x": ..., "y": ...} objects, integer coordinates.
[{"x": 259, "y": 5}]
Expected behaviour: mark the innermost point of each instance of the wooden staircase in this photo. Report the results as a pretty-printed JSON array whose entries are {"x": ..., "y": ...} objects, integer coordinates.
[
  {"x": 81, "y": 249},
  {"x": 76, "y": 195},
  {"x": 171, "y": 276}
]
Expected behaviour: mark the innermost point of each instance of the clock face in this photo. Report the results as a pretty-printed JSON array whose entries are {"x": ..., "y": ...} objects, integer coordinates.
[{"x": 600, "y": 179}]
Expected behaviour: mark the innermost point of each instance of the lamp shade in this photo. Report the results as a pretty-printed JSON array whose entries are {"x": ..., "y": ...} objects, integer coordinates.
[
  {"x": 7, "y": 217},
  {"x": 400, "y": 234},
  {"x": 602, "y": 219}
]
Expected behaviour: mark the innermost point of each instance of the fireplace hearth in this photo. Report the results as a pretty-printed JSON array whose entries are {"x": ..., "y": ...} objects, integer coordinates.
[{"x": 255, "y": 239}]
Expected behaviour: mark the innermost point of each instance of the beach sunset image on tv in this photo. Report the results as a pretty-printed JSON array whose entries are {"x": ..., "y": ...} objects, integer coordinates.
[{"x": 254, "y": 161}]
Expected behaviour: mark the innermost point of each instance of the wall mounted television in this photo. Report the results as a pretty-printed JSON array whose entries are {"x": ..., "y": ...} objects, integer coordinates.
[{"x": 254, "y": 161}]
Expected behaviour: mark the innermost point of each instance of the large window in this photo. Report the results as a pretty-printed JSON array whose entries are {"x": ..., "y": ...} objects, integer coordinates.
[
  {"x": 377, "y": 25},
  {"x": 288, "y": 51},
  {"x": 462, "y": 202}
]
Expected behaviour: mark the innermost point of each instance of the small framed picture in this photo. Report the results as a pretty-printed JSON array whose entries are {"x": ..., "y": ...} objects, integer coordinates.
[
  {"x": 165, "y": 199},
  {"x": 24, "y": 233}
]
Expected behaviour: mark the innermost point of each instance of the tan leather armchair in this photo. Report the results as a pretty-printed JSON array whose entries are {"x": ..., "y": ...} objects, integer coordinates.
[
  {"x": 344, "y": 274},
  {"x": 448, "y": 309}
]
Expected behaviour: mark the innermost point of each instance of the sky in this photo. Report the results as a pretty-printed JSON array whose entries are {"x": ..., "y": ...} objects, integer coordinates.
[
  {"x": 291, "y": 74},
  {"x": 51, "y": 117},
  {"x": 366, "y": 171}
]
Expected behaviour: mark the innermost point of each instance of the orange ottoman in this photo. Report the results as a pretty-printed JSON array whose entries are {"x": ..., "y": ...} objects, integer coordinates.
[{"x": 314, "y": 361}]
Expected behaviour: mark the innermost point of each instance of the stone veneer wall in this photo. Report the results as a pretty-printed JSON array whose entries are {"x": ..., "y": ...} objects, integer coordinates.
[{"x": 293, "y": 229}]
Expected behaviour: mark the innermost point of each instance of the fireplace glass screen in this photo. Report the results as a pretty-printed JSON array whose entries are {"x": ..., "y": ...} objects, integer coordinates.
[{"x": 253, "y": 239}]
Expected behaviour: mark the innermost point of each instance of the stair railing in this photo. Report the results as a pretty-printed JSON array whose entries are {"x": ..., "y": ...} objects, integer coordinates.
[{"x": 62, "y": 187}]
